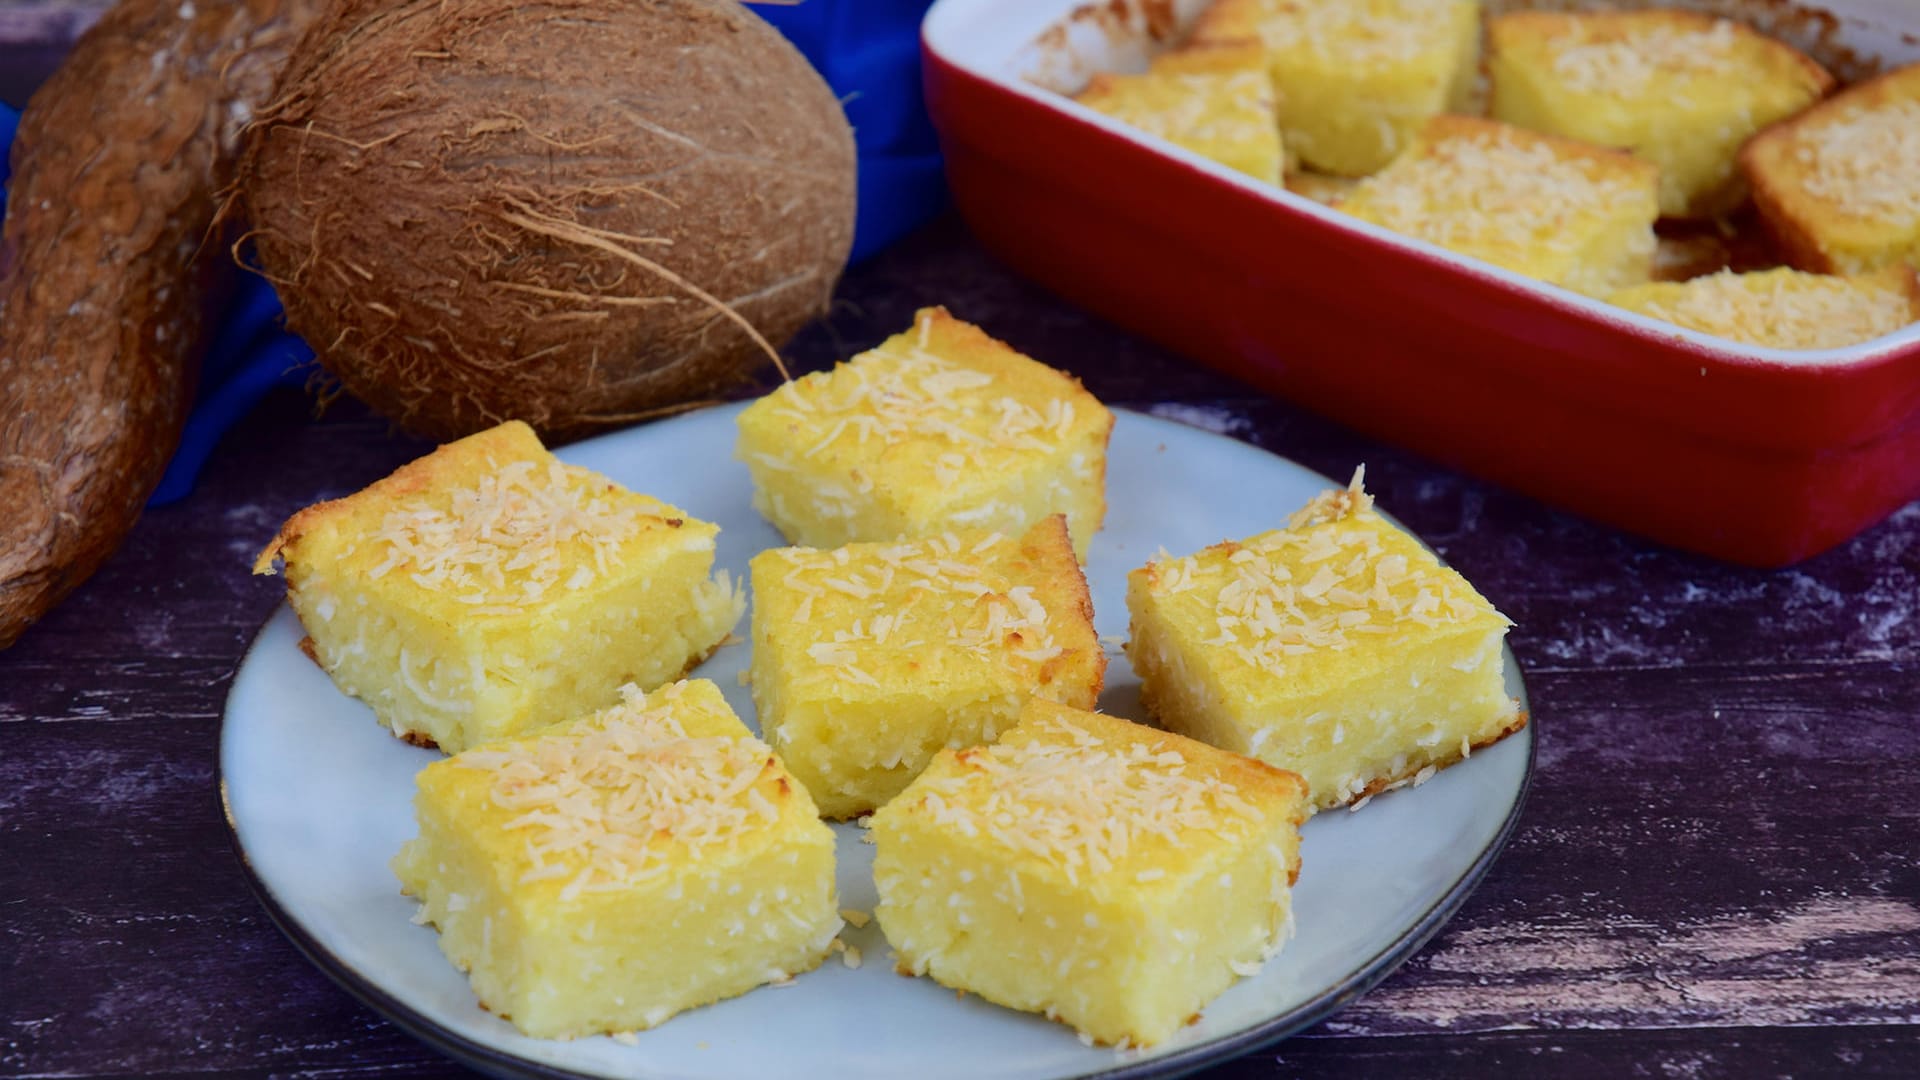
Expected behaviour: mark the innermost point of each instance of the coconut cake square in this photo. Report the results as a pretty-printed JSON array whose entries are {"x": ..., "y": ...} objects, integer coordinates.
[
  {"x": 1838, "y": 185},
  {"x": 489, "y": 588},
  {"x": 1107, "y": 875},
  {"x": 869, "y": 658},
  {"x": 1336, "y": 647},
  {"x": 1555, "y": 209},
  {"x": 940, "y": 427},
  {"x": 1215, "y": 100},
  {"x": 601, "y": 875},
  {"x": 1678, "y": 88}
]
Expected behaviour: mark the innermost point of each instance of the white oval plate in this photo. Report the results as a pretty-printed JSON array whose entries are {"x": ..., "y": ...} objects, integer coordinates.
[{"x": 319, "y": 798}]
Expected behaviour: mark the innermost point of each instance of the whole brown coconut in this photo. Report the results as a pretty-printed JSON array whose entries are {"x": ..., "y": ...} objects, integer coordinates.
[{"x": 570, "y": 212}]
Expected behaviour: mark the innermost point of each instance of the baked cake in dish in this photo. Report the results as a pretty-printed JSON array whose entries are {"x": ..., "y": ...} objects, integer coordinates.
[
  {"x": 1678, "y": 88},
  {"x": 1839, "y": 185},
  {"x": 601, "y": 875},
  {"x": 1355, "y": 79},
  {"x": 869, "y": 658},
  {"x": 1215, "y": 100},
  {"x": 1785, "y": 309},
  {"x": 488, "y": 588},
  {"x": 1337, "y": 648},
  {"x": 1554, "y": 209},
  {"x": 940, "y": 427},
  {"x": 1113, "y": 877}
]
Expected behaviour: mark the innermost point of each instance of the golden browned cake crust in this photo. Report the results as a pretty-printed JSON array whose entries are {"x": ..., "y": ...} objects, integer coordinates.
[
  {"x": 1783, "y": 308},
  {"x": 1838, "y": 185},
  {"x": 1681, "y": 89},
  {"x": 420, "y": 475},
  {"x": 489, "y": 588}
]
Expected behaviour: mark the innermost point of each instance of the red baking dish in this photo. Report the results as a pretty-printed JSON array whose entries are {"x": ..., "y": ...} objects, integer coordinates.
[{"x": 1753, "y": 455}]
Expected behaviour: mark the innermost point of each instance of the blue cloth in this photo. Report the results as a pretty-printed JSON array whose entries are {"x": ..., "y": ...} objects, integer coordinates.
[
  {"x": 9, "y": 120},
  {"x": 869, "y": 52}
]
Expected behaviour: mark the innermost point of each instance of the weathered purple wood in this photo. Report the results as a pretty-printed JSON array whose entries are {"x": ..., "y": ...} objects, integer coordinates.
[
  {"x": 34, "y": 35},
  {"x": 1716, "y": 874}
]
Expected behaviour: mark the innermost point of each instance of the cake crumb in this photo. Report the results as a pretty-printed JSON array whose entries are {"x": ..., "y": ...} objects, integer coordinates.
[
  {"x": 855, "y": 919},
  {"x": 1360, "y": 803},
  {"x": 625, "y": 1038},
  {"x": 850, "y": 956}
]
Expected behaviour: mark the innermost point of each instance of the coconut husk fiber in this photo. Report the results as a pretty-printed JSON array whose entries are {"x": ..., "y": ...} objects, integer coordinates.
[{"x": 577, "y": 213}]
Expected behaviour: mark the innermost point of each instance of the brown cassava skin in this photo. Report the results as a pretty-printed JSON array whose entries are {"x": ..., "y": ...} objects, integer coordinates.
[
  {"x": 477, "y": 210},
  {"x": 108, "y": 264}
]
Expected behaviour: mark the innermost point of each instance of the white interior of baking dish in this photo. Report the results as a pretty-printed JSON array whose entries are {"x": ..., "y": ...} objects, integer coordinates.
[{"x": 1046, "y": 49}]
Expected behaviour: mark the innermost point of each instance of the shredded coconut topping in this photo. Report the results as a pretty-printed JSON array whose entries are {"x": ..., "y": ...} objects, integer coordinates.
[
  {"x": 1783, "y": 309},
  {"x": 515, "y": 535},
  {"x": 1866, "y": 163},
  {"x": 1195, "y": 108},
  {"x": 1354, "y": 31},
  {"x": 604, "y": 803},
  {"x": 1083, "y": 804},
  {"x": 1320, "y": 583},
  {"x": 949, "y": 591},
  {"x": 1628, "y": 63},
  {"x": 1504, "y": 197},
  {"x": 895, "y": 393}
]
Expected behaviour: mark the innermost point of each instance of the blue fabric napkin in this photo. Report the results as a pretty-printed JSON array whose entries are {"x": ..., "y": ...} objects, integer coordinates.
[{"x": 869, "y": 52}]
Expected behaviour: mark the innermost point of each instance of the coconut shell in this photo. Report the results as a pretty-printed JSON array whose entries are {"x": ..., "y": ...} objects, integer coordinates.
[
  {"x": 110, "y": 265},
  {"x": 572, "y": 212}
]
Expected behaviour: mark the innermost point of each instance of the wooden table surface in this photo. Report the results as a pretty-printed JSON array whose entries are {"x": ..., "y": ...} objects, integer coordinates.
[{"x": 1715, "y": 874}]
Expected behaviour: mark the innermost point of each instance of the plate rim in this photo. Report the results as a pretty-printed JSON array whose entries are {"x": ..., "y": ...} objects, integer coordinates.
[{"x": 492, "y": 1062}]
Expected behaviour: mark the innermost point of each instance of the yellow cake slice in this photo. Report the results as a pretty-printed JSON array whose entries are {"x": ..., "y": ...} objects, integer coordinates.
[
  {"x": 1356, "y": 79},
  {"x": 869, "y": 658},
  {"x": 1785, "y": 309},
  {"x": 602, "y": 875},
  {"x": 1110, "y": 876},
  {"x": 1216, "y": 100},
  {"x": 1550, "y": 208},
  {"x": 1681, "y": 89},
  {"x": 488, "y": 588},
  {"x": 940, "y": 427},
  {"x": 1839, "y": 185},
  {"x": 1337, "y": 648}
]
